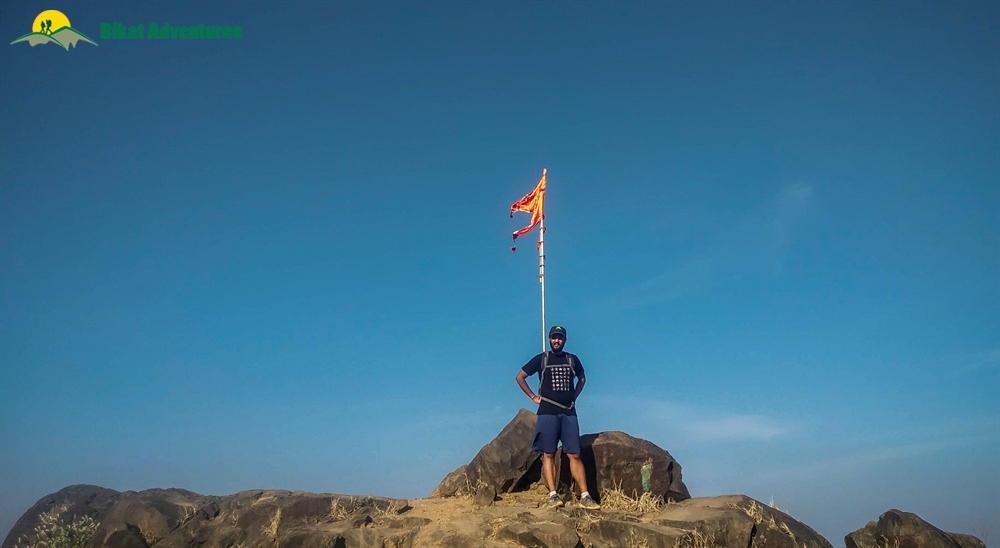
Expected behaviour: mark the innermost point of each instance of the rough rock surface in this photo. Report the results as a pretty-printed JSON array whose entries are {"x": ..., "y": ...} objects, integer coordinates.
[
  {"x": 75, "y": 500},
  {"x": 897, "y": 529},
  {"x": 611, "y": 459},
  {"x": 175, "y": 518},
  {"x": 615, "y": 459},
  {"x": 500, "y": 464},
  {"x": 734, "y": 519}
]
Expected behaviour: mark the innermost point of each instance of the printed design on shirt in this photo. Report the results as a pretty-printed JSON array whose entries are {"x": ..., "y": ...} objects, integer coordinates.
[{"x": 562, "y": 377}]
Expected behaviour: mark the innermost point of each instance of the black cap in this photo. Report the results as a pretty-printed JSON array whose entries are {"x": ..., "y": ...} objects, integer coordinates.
[{"x": 557, "y": 330}]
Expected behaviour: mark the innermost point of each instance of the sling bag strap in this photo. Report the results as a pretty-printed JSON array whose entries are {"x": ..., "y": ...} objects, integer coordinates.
[{"x": 541, "y": 380}]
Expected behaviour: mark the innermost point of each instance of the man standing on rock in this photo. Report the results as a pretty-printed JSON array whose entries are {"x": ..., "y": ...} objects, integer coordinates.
[{"x": 557, "y": 420}]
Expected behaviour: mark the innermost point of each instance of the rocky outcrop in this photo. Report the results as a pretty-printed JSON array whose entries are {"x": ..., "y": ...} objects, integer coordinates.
[
  {"x": 174, "y": 518},
  {"x": 897, "y": 529},
  {"x": 500, "y": 464},
  {"x": 737, "y": 521},
  {"x": 493, "y": 501},
  {"x": 611, "y": 459},
  {"x": 76, "y": 500},
  {"x": 615, "y": 459}
]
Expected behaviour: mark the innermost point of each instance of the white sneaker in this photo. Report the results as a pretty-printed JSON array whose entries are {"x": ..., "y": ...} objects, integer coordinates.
[
  {"x": 555, "y": 501},
  {"x": 589, "y": 503}
]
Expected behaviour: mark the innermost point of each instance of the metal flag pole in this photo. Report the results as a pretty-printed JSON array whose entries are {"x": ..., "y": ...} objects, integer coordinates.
[{"x": 541, "y": 270}]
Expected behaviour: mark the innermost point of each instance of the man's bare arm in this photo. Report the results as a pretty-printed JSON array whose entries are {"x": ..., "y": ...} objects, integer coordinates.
[
  {"x": 579, "y": 387},
  {"x": 522, "y": 381}
]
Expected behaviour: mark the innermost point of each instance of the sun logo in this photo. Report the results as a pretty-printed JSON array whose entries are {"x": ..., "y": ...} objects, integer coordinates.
[{"x": 53, "y": 26}]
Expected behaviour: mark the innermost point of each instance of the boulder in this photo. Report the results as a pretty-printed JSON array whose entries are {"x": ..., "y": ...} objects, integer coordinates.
[
  {"x": 611, "y": 459},
  {"x": 737, "y": 521},
  {"x": 146, "y": 517},
  {"x": 614, "y": 533},
  {"x": 73, "y": 501},
  {"x": 485, "y": 496},
  {"x": 455, "y": 483},
  {"x": 615, "y": 459},
  {"x": 500, "y": 464},
  {"x": 897, "y": 529},
  {"x": 547, "y": 535}
]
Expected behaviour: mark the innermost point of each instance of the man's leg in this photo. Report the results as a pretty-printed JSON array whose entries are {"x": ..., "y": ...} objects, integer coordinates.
[
  {"x": 577, "y": 470},
  {"x": 546, "y": 441},
  {"x": 570, "y": 429},
  {"x": 549, "y": 470}
]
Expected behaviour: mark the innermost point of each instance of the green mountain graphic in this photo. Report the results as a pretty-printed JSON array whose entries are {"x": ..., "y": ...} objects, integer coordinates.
[{"x": 65, "y": 37}]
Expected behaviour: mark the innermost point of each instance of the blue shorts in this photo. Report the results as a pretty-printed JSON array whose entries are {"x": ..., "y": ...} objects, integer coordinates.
[{"x": 550, "y": 429}]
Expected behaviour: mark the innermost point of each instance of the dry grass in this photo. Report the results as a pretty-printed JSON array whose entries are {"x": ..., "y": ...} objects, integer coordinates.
[
  {"x": 271, "y": 529},
  {"x": 771, "y": 504},
  {"x": 767, "y": 522},
  {"x": 470, "y": 489},
  {"x": 697, "y": 539},
  {"x": 584, "y": 524},
  {"x": 496, "y": 526},
  {"x": 53, "y": 532},
  {"x": 755, "y": 511},
  {"x": 341, "y": 509},
  {"x": 882, "y": 542},
  {"x": 344, "y": 508},
  {"x": 392, "y": 509},
  {"x": 149, "y": 538},
  {"x": 757, "y": 514},
  {"x": 633, "y": 541},
  {"x": 616, "y": 499},
  {"x": 887, "y": 544}
]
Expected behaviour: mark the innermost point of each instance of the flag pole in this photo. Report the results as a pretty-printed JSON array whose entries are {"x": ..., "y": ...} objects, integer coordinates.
[
  {"x": 541, "y": 275},
  {"x": 541, "y": 269}
]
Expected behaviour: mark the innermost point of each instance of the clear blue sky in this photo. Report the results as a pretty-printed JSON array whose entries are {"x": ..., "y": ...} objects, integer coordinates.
[{"x": 283, "y": 261}]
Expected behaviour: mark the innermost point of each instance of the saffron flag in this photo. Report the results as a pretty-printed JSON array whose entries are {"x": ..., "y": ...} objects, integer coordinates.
[{"x": 532, "y": 203}]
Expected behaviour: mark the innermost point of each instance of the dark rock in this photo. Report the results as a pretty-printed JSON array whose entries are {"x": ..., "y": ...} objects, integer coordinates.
[
  {"x": 616, "y": 458},
  {"x": 175, "y": 518},
  {"x": 613, "y": 533},
  {"x": 459, "y": 531},
  {"x": 309, "y": 538},
  {"x": 737, "y": 521},
  {"x": 74, "y": 501},
  {"x": 610, "y": 459},
  {"x": 897, "y": 529},
  {"x": 543, "y": 535},
  {"x": 501, "y": 464},
  {"x": 967, "y": 541},
  {"x": 362, "y": 521},
  {"x": 125, "y": 539},
  {"x": 172, "y": 518},
  {"x": 723, "y": 526},
  {"x": 152, "y": 514},
  {"x": 454, "y": 483},
  {"x": 485, "y": 496}
]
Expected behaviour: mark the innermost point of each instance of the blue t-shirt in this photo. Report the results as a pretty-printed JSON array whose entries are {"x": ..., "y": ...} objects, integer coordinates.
[{"x": 559, "y": 382}]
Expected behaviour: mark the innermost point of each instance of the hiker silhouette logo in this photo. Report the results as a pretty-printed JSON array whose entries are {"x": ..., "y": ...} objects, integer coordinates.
[{"x": 52, "y": 27}]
